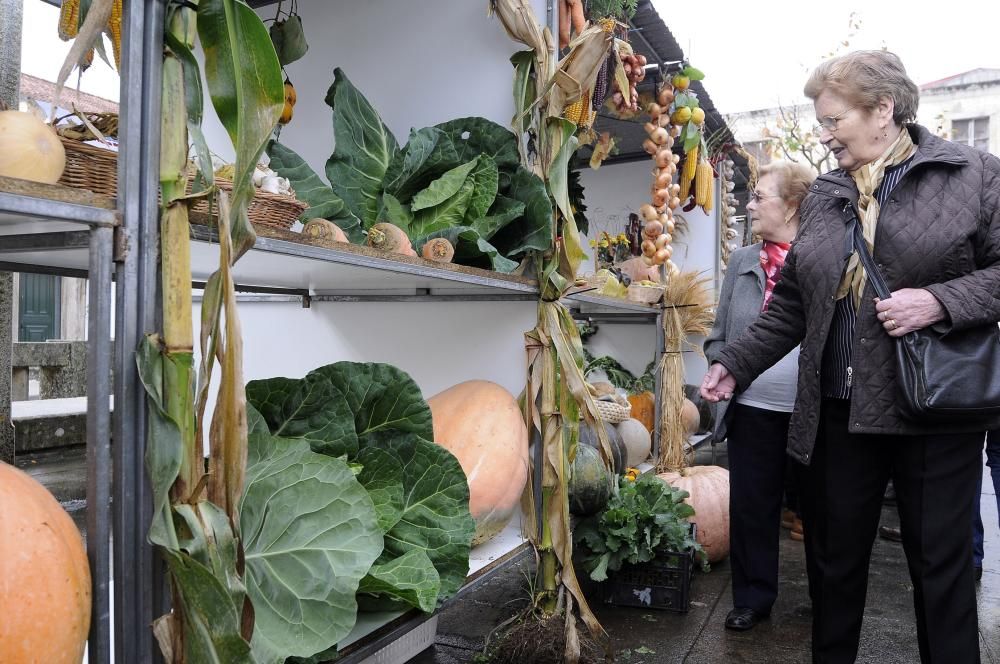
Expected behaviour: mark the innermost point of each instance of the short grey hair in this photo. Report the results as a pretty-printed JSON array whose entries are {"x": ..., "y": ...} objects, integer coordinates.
[
  {"x": 793, "y": 180},
  {"x": 865, "y": 77}
]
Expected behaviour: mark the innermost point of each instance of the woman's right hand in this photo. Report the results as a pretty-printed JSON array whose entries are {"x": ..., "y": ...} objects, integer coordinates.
[{"x": 718, "y": 384}]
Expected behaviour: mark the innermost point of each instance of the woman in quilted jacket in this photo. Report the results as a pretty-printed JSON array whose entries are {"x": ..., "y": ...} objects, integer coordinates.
[
  {"x": 929, "y": 212},
  {"x": 756, "y": 425}
]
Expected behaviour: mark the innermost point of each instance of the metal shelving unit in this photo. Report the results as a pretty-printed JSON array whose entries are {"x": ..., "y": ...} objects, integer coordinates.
[
  {"x": 45, "y": 220},
  {"x": 54, "y": 230}
]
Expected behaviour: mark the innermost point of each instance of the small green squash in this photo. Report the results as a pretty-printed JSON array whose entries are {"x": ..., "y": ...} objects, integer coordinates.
[
  {"x": 589, "y": 482},
  {"x": 619, "y": 453}
]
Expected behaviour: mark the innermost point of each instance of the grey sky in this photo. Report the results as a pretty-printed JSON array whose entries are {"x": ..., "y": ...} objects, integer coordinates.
[{"x": 757, "y": 53}]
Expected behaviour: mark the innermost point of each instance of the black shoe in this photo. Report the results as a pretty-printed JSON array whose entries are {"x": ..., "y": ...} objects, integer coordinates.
[
  {"x": 891, "y": 534},
  {"x": 978, "y": 573},
  {"x": 741, "y": 619}
]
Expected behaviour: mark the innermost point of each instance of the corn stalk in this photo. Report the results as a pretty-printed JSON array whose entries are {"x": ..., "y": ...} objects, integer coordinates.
[
  {"x": 198, "y": 535},
  {"x": 556, "y": 394}
]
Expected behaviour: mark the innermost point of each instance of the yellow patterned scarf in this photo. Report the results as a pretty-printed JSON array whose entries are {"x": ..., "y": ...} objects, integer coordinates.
[{"x": 868, "y": 178}]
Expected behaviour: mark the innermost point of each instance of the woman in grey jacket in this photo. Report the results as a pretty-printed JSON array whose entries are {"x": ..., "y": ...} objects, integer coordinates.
[{"x": 757, "y": 422}]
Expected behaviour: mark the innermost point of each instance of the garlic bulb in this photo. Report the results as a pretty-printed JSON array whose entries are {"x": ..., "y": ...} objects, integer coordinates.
[{"x": 271, "y": 184}]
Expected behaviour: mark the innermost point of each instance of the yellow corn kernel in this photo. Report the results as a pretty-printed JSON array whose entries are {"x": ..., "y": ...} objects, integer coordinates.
[
  {"x": 703, "y": 185},
  {"x": 688, "y": 173},
  {"x": 579, "y": 112},
  {"x": 69, "y": 19},
  {"x": 114, "y": 31}
]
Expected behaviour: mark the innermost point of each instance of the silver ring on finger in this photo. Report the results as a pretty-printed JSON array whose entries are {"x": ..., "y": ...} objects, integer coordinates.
[{"x": 894, "y": 325}]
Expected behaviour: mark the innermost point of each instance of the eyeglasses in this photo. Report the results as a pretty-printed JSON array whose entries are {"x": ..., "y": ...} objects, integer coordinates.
[
  {"x": 757, "y": 197},
  {"x": 830, "y": 122}
]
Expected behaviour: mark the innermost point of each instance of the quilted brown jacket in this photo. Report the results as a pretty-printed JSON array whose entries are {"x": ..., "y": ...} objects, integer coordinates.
[{"x": 939, "y": 230}]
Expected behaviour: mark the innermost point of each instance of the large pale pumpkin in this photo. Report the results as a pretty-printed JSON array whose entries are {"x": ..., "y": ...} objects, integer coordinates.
[
  {"x": 44, "y": 578},
  {"x": 481, "y": 424},
  {"x": 709, "y": 489},
  {"x": 644, "y": 409}
]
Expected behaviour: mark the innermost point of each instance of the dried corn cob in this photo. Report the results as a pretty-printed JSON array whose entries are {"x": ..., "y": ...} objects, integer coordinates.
[
  {"x": 114, "y": 31},
  {"x": 601, "y": 85},
  {"x": 69, "y": 19},
  {"x": 703, "y": 184},
  {"x": 688, "y": 172},
  {"x": 579, "y": 112}
]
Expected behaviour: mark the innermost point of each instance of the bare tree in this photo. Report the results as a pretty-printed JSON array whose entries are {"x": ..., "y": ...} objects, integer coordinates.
[{"x": 793, "y": 139}]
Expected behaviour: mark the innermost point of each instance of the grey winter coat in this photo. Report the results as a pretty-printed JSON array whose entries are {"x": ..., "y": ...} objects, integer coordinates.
[
  {"x": 939, "y": 230},
  {"x": 739, "y": 306}
]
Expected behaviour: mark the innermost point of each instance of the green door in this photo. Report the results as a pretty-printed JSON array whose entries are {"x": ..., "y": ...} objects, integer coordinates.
[{"x": 38, "y": 307}]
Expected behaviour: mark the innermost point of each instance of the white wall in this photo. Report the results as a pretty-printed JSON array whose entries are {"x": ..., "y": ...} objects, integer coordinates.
[{"x": 611, "y": 193}]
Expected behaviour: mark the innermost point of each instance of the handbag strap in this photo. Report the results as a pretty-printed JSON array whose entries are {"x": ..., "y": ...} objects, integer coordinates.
[{"x": 874, "y": 274}]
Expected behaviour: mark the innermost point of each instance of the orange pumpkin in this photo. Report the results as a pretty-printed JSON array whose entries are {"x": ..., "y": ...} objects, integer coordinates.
[
  {"x": 481, "y": 424},
  {"x": 709, "y": 489},
  {"x": 44, "y": 577},
  {"x": 644, "y": 409},
  {"x": 690, "y": 417}
]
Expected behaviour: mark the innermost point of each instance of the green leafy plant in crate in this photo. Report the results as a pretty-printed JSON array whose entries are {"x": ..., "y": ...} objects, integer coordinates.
[{"x": 646, "y": 517}]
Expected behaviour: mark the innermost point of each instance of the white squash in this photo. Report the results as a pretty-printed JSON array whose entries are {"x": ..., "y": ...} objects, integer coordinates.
[
  {"x": 638, "y": 442},
  {"x": 29, "y": 148}
]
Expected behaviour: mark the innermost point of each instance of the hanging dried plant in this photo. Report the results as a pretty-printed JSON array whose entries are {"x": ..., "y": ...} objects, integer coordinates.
[{"x": 689, "y": 313}]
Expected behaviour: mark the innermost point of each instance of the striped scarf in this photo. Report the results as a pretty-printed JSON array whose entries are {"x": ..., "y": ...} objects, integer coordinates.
[{"x": 868, "y": 178}]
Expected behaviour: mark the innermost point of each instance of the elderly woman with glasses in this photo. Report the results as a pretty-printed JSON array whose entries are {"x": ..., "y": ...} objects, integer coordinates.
[
  {"x": 757, "y": 423},
  {"x": 929, "y": 213}
]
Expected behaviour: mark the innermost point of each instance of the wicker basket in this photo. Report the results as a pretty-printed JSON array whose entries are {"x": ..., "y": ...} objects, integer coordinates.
[
  {"x": 96, "y": 169},
  {"x": 613, "y": 413},
  {"x": 645, "y": 294}
]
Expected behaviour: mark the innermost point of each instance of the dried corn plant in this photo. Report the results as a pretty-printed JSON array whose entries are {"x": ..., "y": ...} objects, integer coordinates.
[
  {"x": 688, "y": 312},
  {"x": 195, "y": 523},
  {"x": 556, "y": 394}
]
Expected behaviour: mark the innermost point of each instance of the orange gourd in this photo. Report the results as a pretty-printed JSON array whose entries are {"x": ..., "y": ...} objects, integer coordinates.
[
  {"x": 481, "y": 424},
  {"x": 644, "y": 409},
  {"x": 709, "y": 489},
  {"x": 44, "y": 577},
  {"x": 690, "y": 417}
]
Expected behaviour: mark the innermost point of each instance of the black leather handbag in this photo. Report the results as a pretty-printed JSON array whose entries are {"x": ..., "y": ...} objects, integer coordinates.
[{"x": 942, "y": 377}]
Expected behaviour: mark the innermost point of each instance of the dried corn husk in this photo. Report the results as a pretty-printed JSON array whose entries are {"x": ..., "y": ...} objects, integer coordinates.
[
  {"x": 577, "y": 72},
  {"x": 519, "y": 21}
]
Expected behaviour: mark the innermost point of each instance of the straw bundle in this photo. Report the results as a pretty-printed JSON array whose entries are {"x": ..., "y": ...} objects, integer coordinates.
[{"x": 688, "y": 312}]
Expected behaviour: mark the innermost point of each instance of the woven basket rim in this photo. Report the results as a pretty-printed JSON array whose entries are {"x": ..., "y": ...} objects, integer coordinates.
[{"x": 613, "y": 413}]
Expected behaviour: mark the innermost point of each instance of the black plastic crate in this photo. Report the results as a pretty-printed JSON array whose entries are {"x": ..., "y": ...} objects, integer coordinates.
[{"x": 663, "y": 583}]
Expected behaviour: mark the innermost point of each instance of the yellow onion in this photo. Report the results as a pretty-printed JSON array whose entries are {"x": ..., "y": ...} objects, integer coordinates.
[
  {"x": 662, "y": 240},
  {"x": 648, "y": 212},
  {"x": 663, "y": 157},
  {"x": 663, "y": 255},
  {"x": 648, "y": 248},
  {"x": 652, "y": 229}
]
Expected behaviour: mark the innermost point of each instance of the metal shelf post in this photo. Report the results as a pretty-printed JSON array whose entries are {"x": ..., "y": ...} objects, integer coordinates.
[{"x": 138, "y": 571}]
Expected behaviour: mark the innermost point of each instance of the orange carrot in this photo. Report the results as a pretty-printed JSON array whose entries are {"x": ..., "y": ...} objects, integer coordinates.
[
  {"x": 438, "y": 250},
  {"x": 388, "y": 237},
  {"x": 576, "y": 15},
  {"x": 564, "y": 24},
  {"x": 324, "y": 231}
]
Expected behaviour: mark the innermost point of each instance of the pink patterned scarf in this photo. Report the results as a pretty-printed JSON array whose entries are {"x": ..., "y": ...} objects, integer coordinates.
[{"x": 772, "y": 258}]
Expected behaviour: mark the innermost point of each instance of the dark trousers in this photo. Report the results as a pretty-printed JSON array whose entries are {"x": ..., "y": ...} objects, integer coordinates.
[
  {"x": 756, "y": 447},
  {"x": 842, "y": 490}
]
